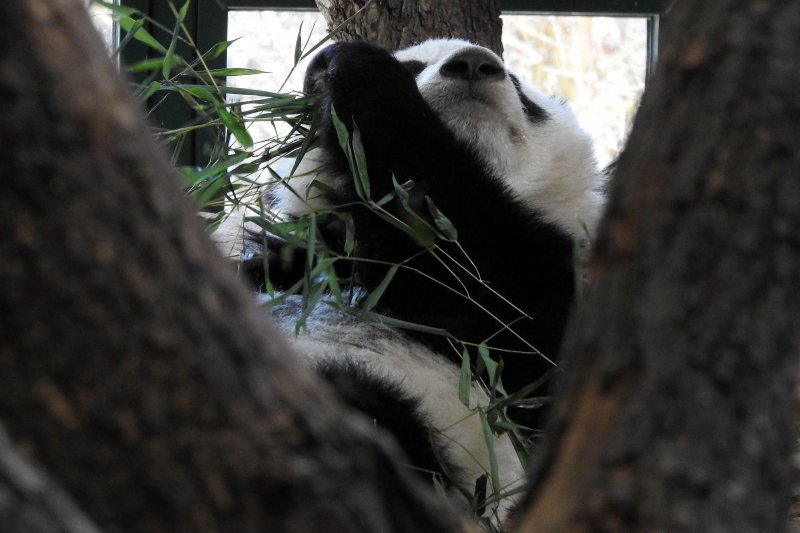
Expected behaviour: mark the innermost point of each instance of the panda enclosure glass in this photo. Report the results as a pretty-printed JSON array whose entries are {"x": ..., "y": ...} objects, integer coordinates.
[{"x": 597, "y": 64}]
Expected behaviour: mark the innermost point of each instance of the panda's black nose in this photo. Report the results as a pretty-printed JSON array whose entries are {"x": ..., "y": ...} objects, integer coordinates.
[{"x": 473, "y": 65}]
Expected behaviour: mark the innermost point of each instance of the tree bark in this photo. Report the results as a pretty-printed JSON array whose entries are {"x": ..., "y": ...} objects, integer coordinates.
[
  {"x": 31, "y": 502},
  {"x": 676, "y": 414},
  {"x": 133, "y": 366},
  {"x": 395, "y": 24}
]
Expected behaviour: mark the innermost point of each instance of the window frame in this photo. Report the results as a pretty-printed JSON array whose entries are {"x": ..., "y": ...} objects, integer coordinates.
[{"x": 208, "y": 21}]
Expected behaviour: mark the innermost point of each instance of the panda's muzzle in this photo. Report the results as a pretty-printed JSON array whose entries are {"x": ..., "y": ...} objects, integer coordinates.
[{"x": 472, "y": 66}]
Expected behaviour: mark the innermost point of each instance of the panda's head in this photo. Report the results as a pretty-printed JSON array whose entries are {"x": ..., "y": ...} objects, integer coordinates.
[{"x": 530, "y": 141}]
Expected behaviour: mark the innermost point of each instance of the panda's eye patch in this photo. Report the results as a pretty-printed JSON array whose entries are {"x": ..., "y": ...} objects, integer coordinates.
[
  {"x": 534, "y": 112},
  {"x": 414, "y": 66}
]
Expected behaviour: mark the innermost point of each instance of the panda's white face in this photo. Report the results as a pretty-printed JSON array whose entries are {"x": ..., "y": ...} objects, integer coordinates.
[{"x": 531, "y": 142}]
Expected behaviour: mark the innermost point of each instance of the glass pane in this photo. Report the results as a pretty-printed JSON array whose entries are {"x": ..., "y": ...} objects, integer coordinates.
[{"x": 596, "y": 64}]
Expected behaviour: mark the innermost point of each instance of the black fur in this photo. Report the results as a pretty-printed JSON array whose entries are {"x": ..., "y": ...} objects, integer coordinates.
[
  {"x": 533, "y": 111},
  {"x": 391, "y": 408}
]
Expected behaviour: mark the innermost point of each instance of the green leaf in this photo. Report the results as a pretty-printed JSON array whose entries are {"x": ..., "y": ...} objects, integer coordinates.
[
  {"x": 245, "y": 92},
  {"x": 218, "y": 49},
  {"x": 360, "y": 161},
  {"x": 377, "y": 292},
  {"x": 349, "y": 235},
  {"x": 148, "y": 64},
  {"x": 385, "y": 200},
  {"x": 204, "y": 195},
  {"x": 225, "y": 72},
  {"x": 311, "y": 297},
  {"x": 150, "y": 91},
  {"x": 493, "y": 368},
  {"x": 465, "y": 379},
  {"x": 404, "y": 324},
  {"x": 234, "y": 126},
  {"x": 490, "y": 365},
  {"x": 141, "y": 34},
  {"x": 194, "y": 176},
  {"x": 137, "y": 25},
  {"x": 402, "y": 190},
  {"x": 120, "y": 11},
  {"x": 311, "y": 244},
  {"x": 488, "y": 435},
  {"x": 298, "y": 45},
  {"x": 442, "y": 223},
  {"x": 335, "y": 287},
  {"x": 169, "y": 57},
  {"x": 341, "y": 131},
  {"x": 199, "y": 91},
  {"x": 184, "y": 10}
]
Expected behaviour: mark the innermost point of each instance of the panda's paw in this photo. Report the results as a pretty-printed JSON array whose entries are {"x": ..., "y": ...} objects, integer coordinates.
[{"x": 356, "y": 71}]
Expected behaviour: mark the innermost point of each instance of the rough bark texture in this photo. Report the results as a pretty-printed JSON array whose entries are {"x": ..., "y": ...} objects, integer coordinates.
[
  {"x": 396, "y": 24},
  {"x": 133, "y": 366},
  {"x": 677, "y": 411}
]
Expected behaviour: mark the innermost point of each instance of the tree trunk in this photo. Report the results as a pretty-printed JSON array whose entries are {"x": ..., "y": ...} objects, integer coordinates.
[
  {"x": 133, "y": 365},
  {"x": 676, "y": 414},
  {"x": 395, "y": 24},
  {"x": 30, "y": 502}
]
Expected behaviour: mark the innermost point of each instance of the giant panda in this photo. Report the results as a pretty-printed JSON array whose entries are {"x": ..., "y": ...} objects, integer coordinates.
[{"x": 501, "y": 184}]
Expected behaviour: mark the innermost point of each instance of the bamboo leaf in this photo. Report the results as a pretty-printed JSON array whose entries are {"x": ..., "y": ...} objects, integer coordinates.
[
  {"x": 137, "y": 25},
  {"x": 298, "y": 45},
  {"x": 343, "y": 137},
  {"x": 149, "y": 64},
  {"x": 442, "y": 223},
  {"x": 341, "y": 131},
  {"x": 204, "y": 195},
  {"x": 150, "y": 91},
  {"x": 349, "y": 235},
  {"x": 141, "y": 34},
  {"x": 218, "y": 49},
  {"x": 184, "y": 10},
  {"x": 360, "y": 161},
  {"x": 465, "y": 379},
  {"x": 199, "y": 91},
  {"x": 375, "y": 295},
  {"x": 121, "y": 11},
  {"x": 166, "y": 68},
  {"x": 194, "y": 176},
  {"x": 225, "y": 72},
  {"x": 404, "y": 324},
  {"x": 488, "y": 435},
  {"x": 234, "y": 126}
]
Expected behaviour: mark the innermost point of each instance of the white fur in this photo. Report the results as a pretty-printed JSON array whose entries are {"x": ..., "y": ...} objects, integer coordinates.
[
  {"x": 424, "y": 375},
  {"x": 549, "y": 164}
]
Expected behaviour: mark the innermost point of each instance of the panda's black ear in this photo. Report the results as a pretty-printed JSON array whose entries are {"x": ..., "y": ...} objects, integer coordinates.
[{"x": 414, "y": 67}]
